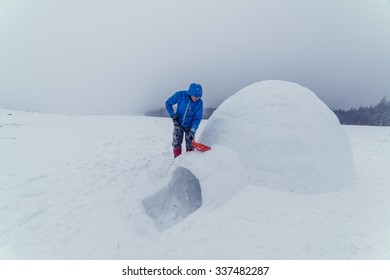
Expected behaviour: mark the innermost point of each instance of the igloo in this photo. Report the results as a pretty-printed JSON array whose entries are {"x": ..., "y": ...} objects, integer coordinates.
[
  {"x": 287, "y": 138},
  {"x": 272, "y": 134}
]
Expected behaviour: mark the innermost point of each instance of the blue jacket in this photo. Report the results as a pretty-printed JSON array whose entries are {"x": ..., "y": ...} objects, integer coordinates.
[{"x": 189, "y": 112}]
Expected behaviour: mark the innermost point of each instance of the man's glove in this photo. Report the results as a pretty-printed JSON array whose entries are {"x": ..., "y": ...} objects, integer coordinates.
[
  {"x": 175, "y": 119},
  {"x": 191, "y": 135}
]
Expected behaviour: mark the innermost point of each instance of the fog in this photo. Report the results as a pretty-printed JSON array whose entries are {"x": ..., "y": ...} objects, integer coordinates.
[{"x": 124, "y": 57}]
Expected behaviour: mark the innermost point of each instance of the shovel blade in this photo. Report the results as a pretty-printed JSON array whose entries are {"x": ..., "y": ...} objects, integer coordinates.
[{"x": 200, "y": 147}]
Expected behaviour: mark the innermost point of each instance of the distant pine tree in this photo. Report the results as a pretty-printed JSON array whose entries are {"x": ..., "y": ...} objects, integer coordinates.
[{"x": 378, "y": 115}]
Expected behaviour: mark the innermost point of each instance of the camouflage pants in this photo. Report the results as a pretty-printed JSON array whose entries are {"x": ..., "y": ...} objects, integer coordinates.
[{"x": 178, "y": 134}]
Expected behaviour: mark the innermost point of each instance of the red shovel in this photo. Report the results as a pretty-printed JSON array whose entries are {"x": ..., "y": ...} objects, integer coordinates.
[{"x": 199, "y": 146}]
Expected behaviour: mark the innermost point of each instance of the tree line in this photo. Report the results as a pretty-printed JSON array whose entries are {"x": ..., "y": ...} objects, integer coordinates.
[
  {"x": 162, "y": 112},
  {"x": 378, "y": 115}
]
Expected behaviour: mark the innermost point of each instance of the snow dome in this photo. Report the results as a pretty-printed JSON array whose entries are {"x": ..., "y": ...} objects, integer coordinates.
[
  {"x": 287, "y": 138},
  {"x": 272, "y": 134}
]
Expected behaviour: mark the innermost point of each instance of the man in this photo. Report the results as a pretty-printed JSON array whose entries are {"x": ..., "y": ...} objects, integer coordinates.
[{"x": 187, "y": 116}]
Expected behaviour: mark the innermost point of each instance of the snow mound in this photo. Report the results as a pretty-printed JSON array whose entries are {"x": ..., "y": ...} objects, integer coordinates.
[
  {"x": 287, "y": 138},
  {"x": 194, "y": 180},
  {"x": 220, "y": 172}
]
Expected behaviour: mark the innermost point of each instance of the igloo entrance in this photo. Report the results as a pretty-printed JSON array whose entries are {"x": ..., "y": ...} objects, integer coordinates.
[{"x": 172, "y": 204}]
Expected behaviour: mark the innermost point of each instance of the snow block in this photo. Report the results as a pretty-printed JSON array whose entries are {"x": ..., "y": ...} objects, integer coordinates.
[{"x": 285, "y": 136}]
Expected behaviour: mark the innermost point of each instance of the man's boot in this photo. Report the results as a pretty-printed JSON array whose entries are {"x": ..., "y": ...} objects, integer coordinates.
[
  {"x": 177, "y": 151},
  {"x": 189, "y": 149}
]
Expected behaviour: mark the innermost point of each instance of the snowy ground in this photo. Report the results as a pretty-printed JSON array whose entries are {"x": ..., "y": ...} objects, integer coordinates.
[{"x": 72, "y": 187}]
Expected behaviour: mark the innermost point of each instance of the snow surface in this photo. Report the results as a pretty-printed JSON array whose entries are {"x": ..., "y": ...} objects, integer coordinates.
[{"x": 103, "y": 187}]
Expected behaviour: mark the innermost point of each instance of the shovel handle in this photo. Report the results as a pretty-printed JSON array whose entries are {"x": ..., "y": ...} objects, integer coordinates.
[{"x": 199, "y": 146}]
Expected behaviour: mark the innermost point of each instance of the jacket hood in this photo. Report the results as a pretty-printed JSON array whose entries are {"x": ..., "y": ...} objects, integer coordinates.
[{"x": 195, "y": 90}]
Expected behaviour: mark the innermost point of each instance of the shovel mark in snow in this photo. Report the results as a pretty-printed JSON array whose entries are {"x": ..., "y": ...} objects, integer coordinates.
[{"x": 176, "y": 201}]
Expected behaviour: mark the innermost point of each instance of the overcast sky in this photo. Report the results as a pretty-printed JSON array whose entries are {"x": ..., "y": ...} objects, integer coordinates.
[{"x": 125, "y": 56}]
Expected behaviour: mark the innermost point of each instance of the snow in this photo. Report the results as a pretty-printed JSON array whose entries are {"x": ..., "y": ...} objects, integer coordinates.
[{"x": 104, "y": 187}]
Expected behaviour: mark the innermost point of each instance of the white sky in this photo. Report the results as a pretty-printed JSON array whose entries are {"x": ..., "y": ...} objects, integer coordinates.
[{"x": 120, "y": 56}]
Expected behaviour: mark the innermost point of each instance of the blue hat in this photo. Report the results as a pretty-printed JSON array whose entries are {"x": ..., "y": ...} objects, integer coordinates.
[{"x": 195, "y": 90}]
